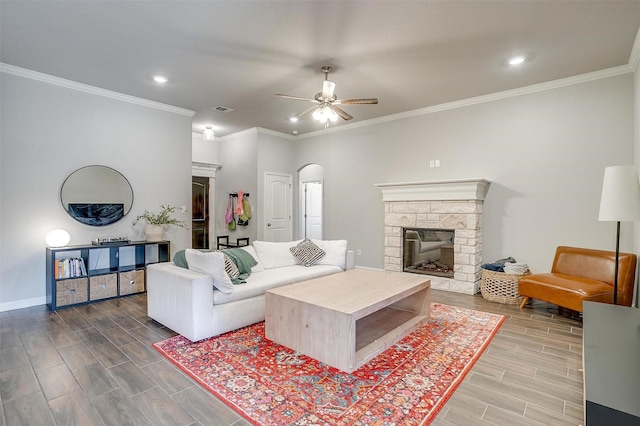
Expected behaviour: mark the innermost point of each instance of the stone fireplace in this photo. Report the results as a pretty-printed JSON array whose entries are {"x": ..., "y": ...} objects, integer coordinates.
[{"x": 437, "y": 205}]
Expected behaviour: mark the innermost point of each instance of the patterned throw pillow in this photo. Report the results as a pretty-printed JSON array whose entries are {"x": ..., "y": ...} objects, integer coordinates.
[
  {"x": 307, "y": 253},
  {"x": 230, "y": 266}
]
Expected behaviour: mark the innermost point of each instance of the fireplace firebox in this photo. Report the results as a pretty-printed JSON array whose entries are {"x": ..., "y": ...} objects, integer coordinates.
[{"x": 428, "y": 251}]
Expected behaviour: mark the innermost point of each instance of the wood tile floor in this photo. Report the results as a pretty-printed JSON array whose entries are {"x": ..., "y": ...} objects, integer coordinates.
[{"x": 94, "y": 365}]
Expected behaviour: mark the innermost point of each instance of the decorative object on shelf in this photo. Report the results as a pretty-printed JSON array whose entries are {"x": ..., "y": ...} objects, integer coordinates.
[
  {"x": 110, "y": 240},
  {"x": 156, "y": 222},
  {"x": 620, "y": 201},
  {"x": 208, "y": 134},
  {"x": 57, "y": 238}
]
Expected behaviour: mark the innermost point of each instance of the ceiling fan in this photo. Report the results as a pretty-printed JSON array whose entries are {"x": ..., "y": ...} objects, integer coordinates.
[{"x": 326, "y": 108}]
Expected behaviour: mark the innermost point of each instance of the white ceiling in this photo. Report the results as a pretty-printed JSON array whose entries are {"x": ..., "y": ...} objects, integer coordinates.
[{"x": 239, "y": 54}]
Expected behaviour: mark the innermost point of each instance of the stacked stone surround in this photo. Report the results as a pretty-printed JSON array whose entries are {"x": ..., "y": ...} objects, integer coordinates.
[{"x": 464, "y": 216}]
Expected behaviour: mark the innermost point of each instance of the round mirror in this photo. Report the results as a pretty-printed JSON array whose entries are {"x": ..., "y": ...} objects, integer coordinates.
[{"x": 96, "y": 195}]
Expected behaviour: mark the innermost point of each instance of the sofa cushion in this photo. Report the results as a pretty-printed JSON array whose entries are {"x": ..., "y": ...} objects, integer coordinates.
[
  {"x": 307, "y": 253},
  {"x": 258, "y": 283},
  {"x": 336, "y": 252},
  {"x": 211, "y": 263},
  {"x": 275, "y": 254}
]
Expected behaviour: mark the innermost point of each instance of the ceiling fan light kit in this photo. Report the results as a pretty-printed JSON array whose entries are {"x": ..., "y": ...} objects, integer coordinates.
[
  {"x": 324, "y": 114},
  {"x": 326, "y": 108}
]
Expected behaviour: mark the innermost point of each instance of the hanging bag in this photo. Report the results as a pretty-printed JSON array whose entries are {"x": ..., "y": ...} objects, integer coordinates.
[
  {"x": 243, "y": 220},
  {"x": 238, "y": 210},
  {"x": 228, "y": 215}
]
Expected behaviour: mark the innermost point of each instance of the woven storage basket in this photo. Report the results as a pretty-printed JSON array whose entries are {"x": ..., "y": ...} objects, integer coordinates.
[{"x": 500, "y": 287}]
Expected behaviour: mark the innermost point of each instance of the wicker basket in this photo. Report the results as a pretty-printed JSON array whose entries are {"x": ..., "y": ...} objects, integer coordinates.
[{"x": 500, "y": 287}]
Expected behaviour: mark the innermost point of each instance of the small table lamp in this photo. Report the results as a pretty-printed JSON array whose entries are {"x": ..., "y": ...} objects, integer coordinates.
[
  {"x": 620, "y": 202},
  {"x": 57, "y": 238}
]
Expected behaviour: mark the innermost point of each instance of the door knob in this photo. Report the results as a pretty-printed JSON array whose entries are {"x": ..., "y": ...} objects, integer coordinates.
[{"x": 268, "y": 224}]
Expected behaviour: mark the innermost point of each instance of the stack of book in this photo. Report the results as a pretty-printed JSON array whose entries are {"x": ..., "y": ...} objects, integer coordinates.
[{"x": 70, "y": 268}]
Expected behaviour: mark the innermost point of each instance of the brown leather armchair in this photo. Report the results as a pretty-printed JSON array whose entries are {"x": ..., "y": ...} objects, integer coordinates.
[{"x": 580, "y": 274}]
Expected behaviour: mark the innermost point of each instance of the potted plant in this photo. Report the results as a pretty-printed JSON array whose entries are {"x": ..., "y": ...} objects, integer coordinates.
[{"x": 156, "y": 222}]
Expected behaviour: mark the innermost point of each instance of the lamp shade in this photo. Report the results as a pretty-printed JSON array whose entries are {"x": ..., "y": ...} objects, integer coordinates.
[
  {"x": 57, "y": 238},
  {"x": 620, "y": 201}
]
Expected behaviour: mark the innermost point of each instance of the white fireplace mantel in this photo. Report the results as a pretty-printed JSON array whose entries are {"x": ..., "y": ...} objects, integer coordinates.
[{"x": 435, "y": 190}]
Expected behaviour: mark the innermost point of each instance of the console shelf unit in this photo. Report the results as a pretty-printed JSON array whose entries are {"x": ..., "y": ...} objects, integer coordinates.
[{"x": 100, "y": 272}]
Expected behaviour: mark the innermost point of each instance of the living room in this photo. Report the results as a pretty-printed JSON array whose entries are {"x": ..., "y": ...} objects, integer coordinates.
[
  {"x": 545, "y": 162},
  {"x": 543, "y": 147}
]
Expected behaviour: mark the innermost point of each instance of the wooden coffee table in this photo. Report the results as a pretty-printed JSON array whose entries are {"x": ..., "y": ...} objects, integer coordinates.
[{"x": 348, "y": 318}]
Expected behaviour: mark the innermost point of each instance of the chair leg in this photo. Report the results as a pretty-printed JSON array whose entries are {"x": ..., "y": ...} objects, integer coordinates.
[{"x": 525, "y": 299}]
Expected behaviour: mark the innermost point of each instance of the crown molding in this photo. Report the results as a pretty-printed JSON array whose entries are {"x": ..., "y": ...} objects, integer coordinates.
[
  {"x": 69, "y": 84},
  {"x": 521, "y": 91},
  {"x": 634, "y": 57},
  {"x": 256, "y": 131}
]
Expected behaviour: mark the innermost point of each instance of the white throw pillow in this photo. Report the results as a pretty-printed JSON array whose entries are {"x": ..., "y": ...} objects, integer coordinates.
[
  {"x": 336, "y": 252},
  {"x": 275, "y": 254},
  {"x": 211, "y": 263},
  {"x": 257, "y": 267}
]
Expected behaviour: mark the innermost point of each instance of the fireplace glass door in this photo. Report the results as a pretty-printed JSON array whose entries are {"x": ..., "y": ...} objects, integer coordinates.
[{"x": 428, "y": 251}]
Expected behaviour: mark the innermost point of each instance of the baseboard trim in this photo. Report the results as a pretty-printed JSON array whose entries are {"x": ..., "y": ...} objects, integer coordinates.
[{"x": 23, "y": 303}]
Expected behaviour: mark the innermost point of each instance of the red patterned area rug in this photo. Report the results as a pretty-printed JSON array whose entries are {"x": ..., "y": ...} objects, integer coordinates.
[{"x": 269, "y": 384}]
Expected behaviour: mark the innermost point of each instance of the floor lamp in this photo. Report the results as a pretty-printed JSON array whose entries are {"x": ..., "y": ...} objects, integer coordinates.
[{"x": 620, "y": 202}]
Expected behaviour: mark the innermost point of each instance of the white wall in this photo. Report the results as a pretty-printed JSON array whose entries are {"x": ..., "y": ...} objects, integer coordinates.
[
  {"x": 545, "y": 153},
  {"x": 239, "y": 159},
  {"x": 245, "y": 157},
  {"x": 205, "y": 151},
  {"x": 48, "y": 131},
  {"x": 276, "y": 155}
]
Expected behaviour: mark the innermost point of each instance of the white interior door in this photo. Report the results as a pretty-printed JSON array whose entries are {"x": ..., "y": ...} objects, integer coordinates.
[
  {"x": 278, "y": 199},
  {"x": 313, "y": 210}
]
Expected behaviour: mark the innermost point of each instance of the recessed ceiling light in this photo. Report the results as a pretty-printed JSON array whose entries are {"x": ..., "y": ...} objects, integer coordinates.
[
  {"x": 516, "y": 60},
  {"x": 293, "y": 119},
  {"x": 160, "y": 79}
]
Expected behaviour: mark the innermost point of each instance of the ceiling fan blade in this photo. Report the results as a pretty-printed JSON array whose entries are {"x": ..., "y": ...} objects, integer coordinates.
[
  {"x": 328, "y": 88},
  {"x": 297, "y": 98},
  {"x": 342, "y": 113},
  {"x": 356, "y": 101},
  {"x": 306, "y": 111}
]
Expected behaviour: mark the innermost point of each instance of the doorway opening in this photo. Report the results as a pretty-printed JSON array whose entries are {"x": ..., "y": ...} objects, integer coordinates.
[
  {"x": 311, "y": 206},
  {"x": 200, "y": 212}
]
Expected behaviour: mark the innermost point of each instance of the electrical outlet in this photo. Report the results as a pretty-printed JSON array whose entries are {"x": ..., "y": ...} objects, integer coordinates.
[
  {"x": 437, "y": 163},
  {"x": 432, "y": 163},
  {"x": 359, "y": 252}
]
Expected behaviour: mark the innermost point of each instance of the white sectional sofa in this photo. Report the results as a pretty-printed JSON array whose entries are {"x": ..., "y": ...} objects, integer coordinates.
[{"x": 188, "y": 302}]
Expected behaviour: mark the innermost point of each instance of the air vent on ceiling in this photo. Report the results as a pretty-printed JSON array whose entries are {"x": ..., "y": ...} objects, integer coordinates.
[{"x": 221, "y": 108}]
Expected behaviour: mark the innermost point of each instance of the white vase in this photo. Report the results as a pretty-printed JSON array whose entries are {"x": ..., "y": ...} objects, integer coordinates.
[{"x": 154, "y": 232}]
